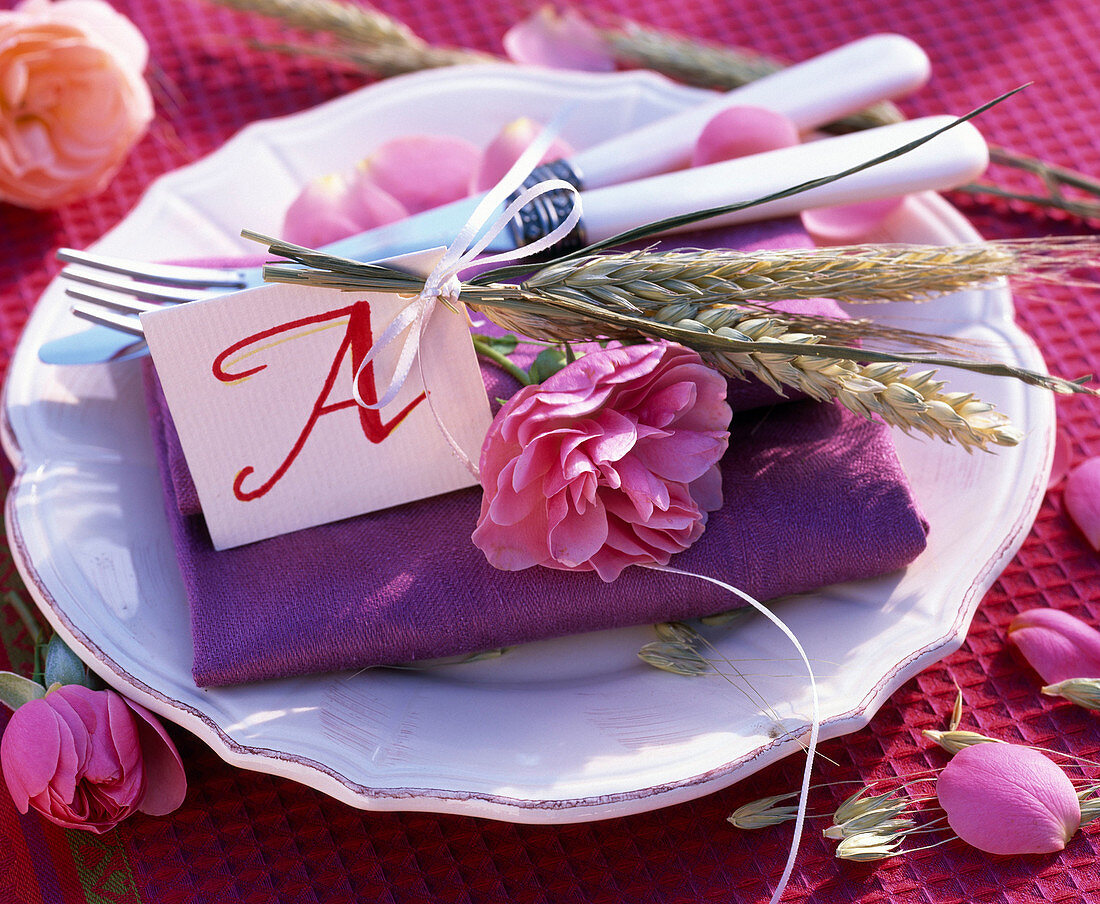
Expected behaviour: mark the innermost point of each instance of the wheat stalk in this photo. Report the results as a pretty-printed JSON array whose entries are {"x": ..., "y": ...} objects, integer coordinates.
[
  {"x": 346, "y": 21},
  {"x": 736, "y": 341},
  {"x": 643, "y": 280},
  {"x": 712, "y": 66},
  {"x": 382, "y": 60},
  {"x": 783, "y": 359}
]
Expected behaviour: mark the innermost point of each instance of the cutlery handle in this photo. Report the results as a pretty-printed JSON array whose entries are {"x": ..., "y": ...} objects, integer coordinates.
[
  {"x": 947, "y": 161},
  {"x": 818, "y": 91}
]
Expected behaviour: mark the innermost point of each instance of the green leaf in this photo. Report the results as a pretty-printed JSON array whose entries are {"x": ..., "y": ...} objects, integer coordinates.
[
  {"x": 63, "y": 666},
  {"x": 15, "y": 690},
  {"x": 549, "y": 362},
  {"x": 504, "y": 344}
]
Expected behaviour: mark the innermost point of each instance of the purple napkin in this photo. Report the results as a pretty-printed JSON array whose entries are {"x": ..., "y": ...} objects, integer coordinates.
[{"x": 815, "y": 495}]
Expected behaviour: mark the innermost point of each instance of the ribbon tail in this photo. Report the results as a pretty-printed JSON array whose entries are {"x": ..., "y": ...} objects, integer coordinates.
[{"x": 815, "y": 720}]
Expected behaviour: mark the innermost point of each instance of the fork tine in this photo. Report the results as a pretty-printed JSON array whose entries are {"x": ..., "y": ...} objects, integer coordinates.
[
  {"x": 115, "y": 321},
  {"x": 165, "y": 274},
  {"x": 118, "y": 303},
  {"x": 147, "y": 291}
]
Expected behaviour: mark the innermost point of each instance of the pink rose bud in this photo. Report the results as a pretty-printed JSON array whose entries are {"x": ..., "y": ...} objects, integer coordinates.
[
  {"x": 73, "y": 101},
  {"x": 87, "y": 759},
  {"x": 1007, "y": 799},
  {"x": 1082, "y": 499},
  {"x": 506, "y": 148},
  {"x": 558, "y": 41},
  {"x": 1057, "y": 645},
  {"x": 422, "y": 171},
  {"x": 611, "y": 462}
]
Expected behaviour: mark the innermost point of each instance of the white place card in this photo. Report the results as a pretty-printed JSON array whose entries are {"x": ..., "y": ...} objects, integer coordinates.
[{"x": 259, "y": 384}]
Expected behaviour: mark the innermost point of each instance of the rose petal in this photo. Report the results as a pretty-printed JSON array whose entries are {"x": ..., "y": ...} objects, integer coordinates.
[
  {"x": 1060, "y": 465},
  {"x": 1007, "y": 799},
  {"x": 574, "y": 538},
  {"x": 565, "y": 41},
  {"x": 318, "y": 214},
  {"x": 740, "y": 132},
  {"x": 30, "y": 751},
  {"x": 1057, "y": 645},
  {"x": 848, "y": 224},
  {"x": 165, "y": 780},
  {"x": 505, "y": 149},
  {"x": 422, "y": 171},
  {"x": 1082, "y": 499}
]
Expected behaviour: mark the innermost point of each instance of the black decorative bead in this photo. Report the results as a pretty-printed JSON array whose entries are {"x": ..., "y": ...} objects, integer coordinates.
[{"x": 542, "y": 215}]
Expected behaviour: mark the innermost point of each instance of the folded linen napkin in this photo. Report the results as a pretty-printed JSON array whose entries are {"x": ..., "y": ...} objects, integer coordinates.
[{"x": 814, "y": 495}]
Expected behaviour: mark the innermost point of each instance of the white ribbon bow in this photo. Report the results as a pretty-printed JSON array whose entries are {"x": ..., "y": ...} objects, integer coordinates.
[{"x": 443, "y": 281}]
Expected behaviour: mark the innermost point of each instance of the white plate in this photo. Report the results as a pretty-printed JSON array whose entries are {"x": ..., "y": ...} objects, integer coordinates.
[{"x": 562, "y": 731}]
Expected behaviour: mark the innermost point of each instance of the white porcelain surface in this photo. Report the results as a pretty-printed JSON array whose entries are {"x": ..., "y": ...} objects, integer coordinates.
[{"x": 562, "y": 731}]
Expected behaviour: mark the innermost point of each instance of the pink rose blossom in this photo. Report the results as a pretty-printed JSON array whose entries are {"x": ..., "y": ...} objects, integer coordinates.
[
  {"x": 1057, "y": 645},
  {"x": 87, "y": 759},
  {"x": 1007, "y": 799},
  {"x": 72, "y": 99},
  {"x": 558, "y": 41},
  {"x": 611, "y": 462}
]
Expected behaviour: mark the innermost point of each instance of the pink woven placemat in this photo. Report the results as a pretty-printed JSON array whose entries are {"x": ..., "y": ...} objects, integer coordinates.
[{"x": 247, "y": 837}]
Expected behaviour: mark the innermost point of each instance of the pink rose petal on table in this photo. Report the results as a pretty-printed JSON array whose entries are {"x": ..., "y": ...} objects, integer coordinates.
[
  {"x": 1056, "y": 644},
  {"x": 849, "y": 223},
  {"x": 740, "y": 132},
  {"x": 611, "y": 462},
  {"x": 1082, "y": 499},
  {"x": 1008, "y": 799},
  {"x": 558, "y": 41},
  {"x": 422, "y": 171},
  {"x": 506, "y": 148},
  {"x": 1063, "y": 455}
]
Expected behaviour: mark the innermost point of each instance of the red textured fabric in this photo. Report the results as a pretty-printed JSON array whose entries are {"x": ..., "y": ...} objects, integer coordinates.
[{"x": 246, "y": 837}]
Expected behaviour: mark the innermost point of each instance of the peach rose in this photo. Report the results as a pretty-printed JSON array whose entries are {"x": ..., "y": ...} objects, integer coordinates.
[{"x": 72, "y": 99}]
